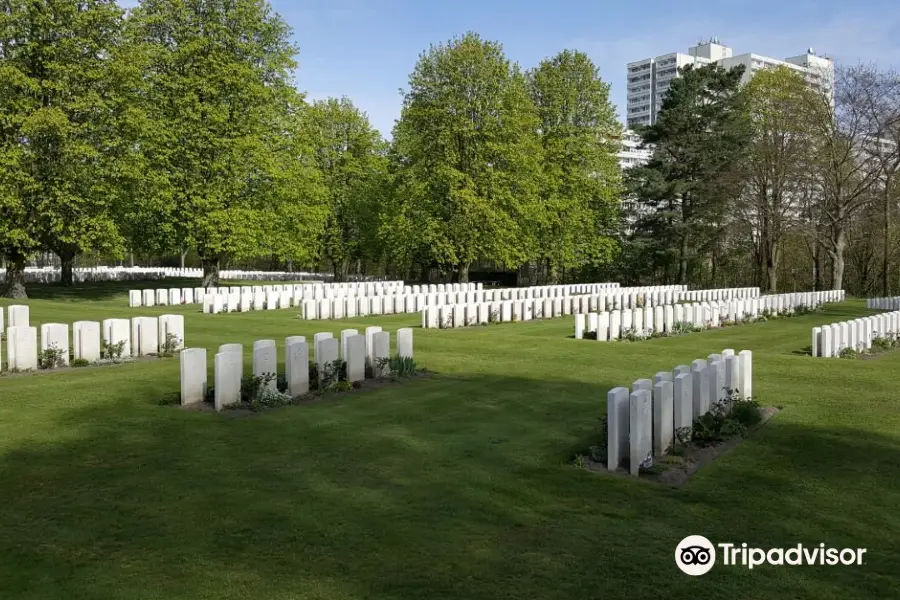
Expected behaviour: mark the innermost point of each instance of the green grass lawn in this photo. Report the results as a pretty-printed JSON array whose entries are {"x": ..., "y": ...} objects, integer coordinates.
[{"x": 458, "y": 486}]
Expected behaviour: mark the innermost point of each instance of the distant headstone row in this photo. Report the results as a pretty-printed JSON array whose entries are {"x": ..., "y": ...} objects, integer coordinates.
[
  {"x": 258, "y": 294},
  {"x": 362, "y": 353},
  {"x": 99, "y": 274},
  {"x": 829, "y": 340},
  {"x": 525, "y": 304},
  {"x": 883, "y": 303},
  {"x": 643, "y": 322},
  {"x": 626, "y": 301},
  {"x": 141, "y": 336},
  {"x": 339, "y": 300},
  {"x": 642, "y": 423}
]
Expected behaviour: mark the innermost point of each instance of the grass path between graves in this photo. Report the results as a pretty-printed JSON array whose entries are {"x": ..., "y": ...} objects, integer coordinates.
[{"x": 459, "y": 486}]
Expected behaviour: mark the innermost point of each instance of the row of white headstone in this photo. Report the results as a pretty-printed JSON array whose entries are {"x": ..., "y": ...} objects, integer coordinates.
[
  {"x": 501, "y": 307},
  {"x": 883, "y": 303},
  {"x": 359, "y": 351},
  {"x": 295, "y": 292},
  {"x": 141, "y": 336},
  {"x": 829, "y": 340},
  {"x": 245, "y": 298},
  {"x": 100, "y": 274},
  {"x": 642, "y": 322},
  {"x": 643, "y": 423}
]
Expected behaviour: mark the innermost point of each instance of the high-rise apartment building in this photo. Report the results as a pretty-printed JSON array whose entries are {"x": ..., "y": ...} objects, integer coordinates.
[{"x": 649, "y": 79}]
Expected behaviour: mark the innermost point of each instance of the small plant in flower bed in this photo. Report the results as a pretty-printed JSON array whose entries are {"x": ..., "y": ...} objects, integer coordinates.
[
  {"x": 51, "y": 358},
  {"x": 731, "y": 416},
  {"x": 885, "y": 342},
  {"x": 681, "y": 327},
  {"x": 848, "y": 353},
  {"x": 394, "y": 367},
  {"x": 630, "y": 334}
]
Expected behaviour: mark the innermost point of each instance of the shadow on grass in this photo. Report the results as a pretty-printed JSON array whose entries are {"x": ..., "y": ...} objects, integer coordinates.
[{"x": 453, "y": 487}]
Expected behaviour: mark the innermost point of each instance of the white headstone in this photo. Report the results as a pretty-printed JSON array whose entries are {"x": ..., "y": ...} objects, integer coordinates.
[
  {"x": 265, "y": 361},
  {"x": 326, "y": 355},
  {"x": 297, "y": 366},
  {"x": 193, "y": 376},
  {"x": 355, "y": 355},
  {"x": 171, "y": 325},
  {"x": 382, "y": 350},
  {"x": 745, "y": 370},
  {"x": 56, "y": 335},
  {"x": 683, "y": 401},
  {"x": 86, "y": 340},
  {"x": 19, "y": 315},
  {"x": 117, "y": 331},
  {"x": 700, "y": 383},
  {"x": 227, "y": 387},
  {"x": 405, "y": 342},
  {"x": 617, "y": 422},
  {"x": 663, "y": 417},
  {"x": 21, "y": 348},
  {"x": 640, "y": 428},
  {"x": 346, "y": 333},
  {"x": 144, "y": 336}
]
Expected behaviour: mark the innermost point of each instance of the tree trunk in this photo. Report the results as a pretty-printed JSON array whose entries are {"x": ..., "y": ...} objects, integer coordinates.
[
  {"x": 683, "y": 261},
  {"x": 66, "y": 273},
  {"x": 463, "y": 272},
  {"x": 183, "y": 254},
  {"x": 210, "y": 271},
  {"x": 886, "y": 241},
  {"x": 552, "y": 273},
  {"x": 15, "y": 277},
  {"x": 131, "y": 258},
  {"x": 837, "y": 260}
]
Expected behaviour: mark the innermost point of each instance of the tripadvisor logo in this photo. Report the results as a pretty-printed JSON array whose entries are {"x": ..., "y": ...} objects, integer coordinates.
[{"x": 695, "y": 555}]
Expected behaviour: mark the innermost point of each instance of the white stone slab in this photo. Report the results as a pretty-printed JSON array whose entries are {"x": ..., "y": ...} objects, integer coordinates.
[
  {"x": 326, "y": 355},
  {"x": 381, "y": 350},
  {"x": 265, "y": 361},
  {"x": 193, "y": 376},
  {"x": 227, "y": 386},
  {"x": 297, "y": 366},
  {"x": 21, "y": 348},
  {"x": 746, "y": 373},
  {"x": 663, "y": 417},
  {"x": 683, "y": 402},
  {"x": 346, "y": 333},
  {"x": 171, "y": 325},
  {"x": 144, "y": 336},
  {"x": 640, "y": 428},
  {"x": 355, "y": 355},
  {"x": 617, "y": 424},
  {"x": 700, "y": 383},
  {"x": 116, "y": 331},
  {"x": 19, "y": 315},
  {"x": 86, "y": 340},
  {"x": 405, "y": 342},
  {"x": 56, "y": 335}
]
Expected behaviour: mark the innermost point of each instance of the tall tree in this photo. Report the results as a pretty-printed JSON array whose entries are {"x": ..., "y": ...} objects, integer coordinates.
[
  {"x": 351, "y": 156},
  {"x": 468, "y": 152},
  {"x": 56, "y": 97},
  {"x": 220, "y": 94},
  {"x": 701, "y": 136},
  {"x": 784, "y": 117},
  {"x": 581, "y": 179},
  {"x": 848, "y": 173}
]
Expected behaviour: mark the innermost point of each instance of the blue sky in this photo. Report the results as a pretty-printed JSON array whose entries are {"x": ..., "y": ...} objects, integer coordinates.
[{"x": 366, "y": 49}]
